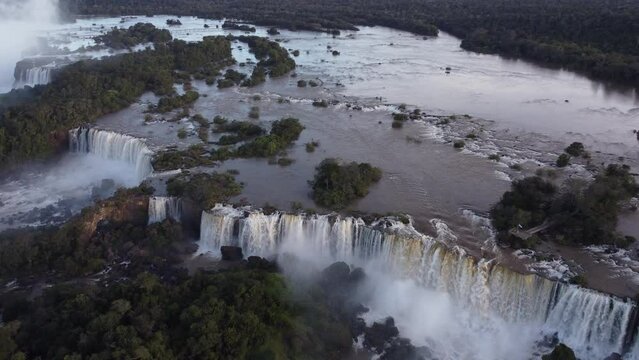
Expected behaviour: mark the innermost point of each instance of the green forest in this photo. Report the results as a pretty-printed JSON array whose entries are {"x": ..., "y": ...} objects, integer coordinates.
[
  {"x": 34, "y": 121},
  {"x": 596, "y": 37}
]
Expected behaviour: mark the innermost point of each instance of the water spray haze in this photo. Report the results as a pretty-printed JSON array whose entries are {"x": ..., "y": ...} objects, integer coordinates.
[{"x": 21, "y": 22}]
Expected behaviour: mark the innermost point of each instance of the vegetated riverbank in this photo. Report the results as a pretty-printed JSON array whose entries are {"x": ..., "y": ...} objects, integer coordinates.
[{"x": 507, "y": 28}]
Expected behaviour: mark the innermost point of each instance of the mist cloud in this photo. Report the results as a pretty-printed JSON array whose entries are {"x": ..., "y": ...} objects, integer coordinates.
[{"x": 21, "y": 22}]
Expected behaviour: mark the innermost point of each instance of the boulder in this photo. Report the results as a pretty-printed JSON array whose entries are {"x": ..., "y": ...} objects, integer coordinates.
[
  {"x": 614, "y": 356},
  {"x": 379, "y": 335},
  {"x": 231, "y": 253},
  {"x": 336, "y": 274},
  {"x": 561, "y": 352}
]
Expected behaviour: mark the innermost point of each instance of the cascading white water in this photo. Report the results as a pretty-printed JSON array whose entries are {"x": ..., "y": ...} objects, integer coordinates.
[
  {"x": 113, "y": 146},
  {"x": 592, "y": 323},
  {"x": 583, "y": 317},
  {"x": 163, "y": 207},
  {"x": 40, "y": 75}
]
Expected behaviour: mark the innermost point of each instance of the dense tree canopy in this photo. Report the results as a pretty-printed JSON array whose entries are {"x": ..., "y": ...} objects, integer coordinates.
[
  {"x": 597, "y": 37},
  {"x": 578, "y": 213},
  {"x": 337, "y": 185},
  {"x": 137, "y": 34},
  {"x": 34, "y": 122}
]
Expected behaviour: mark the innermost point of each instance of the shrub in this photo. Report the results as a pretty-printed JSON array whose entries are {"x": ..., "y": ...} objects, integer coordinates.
[
  {"x": 219, "y": 120},
  {"x": 182, "y": 133},
  {"x": 459, "y": 144},
  {"x": 336, "y": 185},
  {"x": 287, "y": 129},
  {"x": 205, "y": 190},
  {"x": 311, "y": 146},
  {"x": 200, "y": 120},
  {"x": 301, "y": 83},
  {"x": 575, "y": 149},
  {"x": 397, "y": 125},
  {"x": 170, "y": 103},
  {"x": 203, "y": 134},
  {"x": 284, "y": 161},
  {"x": 254, "y": 113},
  {"x": 563, "y": 160},
  {"x": 225, "y": 83},
  {"x": 283, "y": 133},
  {"x": 494, "y": 157}
]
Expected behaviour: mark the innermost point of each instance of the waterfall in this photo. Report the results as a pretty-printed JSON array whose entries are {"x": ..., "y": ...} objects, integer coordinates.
[
  {"x": 113, "y": 146},
  {"x": 40, "y": 75},
  {"x": 589, "y": 321},
  {"x": 162, "y": 207}
]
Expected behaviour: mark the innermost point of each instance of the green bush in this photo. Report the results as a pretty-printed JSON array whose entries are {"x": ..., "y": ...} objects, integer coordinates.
[
  {"x": 254, "y": 113},
  {"x": 170, "y": 103},
  {"x": 139, "y": 33},
  {"x": 336, "y": 185},
  {"x": 284, "y": 161},
  {"x": 172, "y": 159},
  {"x": 575, "y": 149},
  {"x": 204, "y": 189},
  {"x": 311, "y": 146},
  {"x": 283, "y": 133},
  {"x": 563, "y": 160}
]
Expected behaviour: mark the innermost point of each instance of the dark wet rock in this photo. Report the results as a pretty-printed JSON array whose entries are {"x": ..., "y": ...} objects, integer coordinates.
[
  {"x": 336, "y": 274},
  {"x": 190, "y": 247},
  {"x": 614, "y": 356},
  {"x": 358, "y": 326},
  {"x": 401, "y": 349},
  {"x": 357, "y": 276},
  {"x": 561, "y": 352},
  {"x": 256, "y": 262},
  {"x": 550, "y": 341},
  {"x": 231, "y": 253},
  {"x": 377, "y": 336}
]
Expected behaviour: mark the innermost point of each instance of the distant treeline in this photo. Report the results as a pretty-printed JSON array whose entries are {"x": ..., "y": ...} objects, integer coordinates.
[{"x": 597, "y": 37}]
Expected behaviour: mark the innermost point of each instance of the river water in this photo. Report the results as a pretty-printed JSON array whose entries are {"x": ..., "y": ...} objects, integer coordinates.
[{"x": 523, "y": 112}]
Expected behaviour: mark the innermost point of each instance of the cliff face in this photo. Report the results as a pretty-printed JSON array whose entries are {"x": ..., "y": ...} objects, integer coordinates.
[
  {"x": 124, "y": 207},
  {"x": 37, "y": 71}
]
